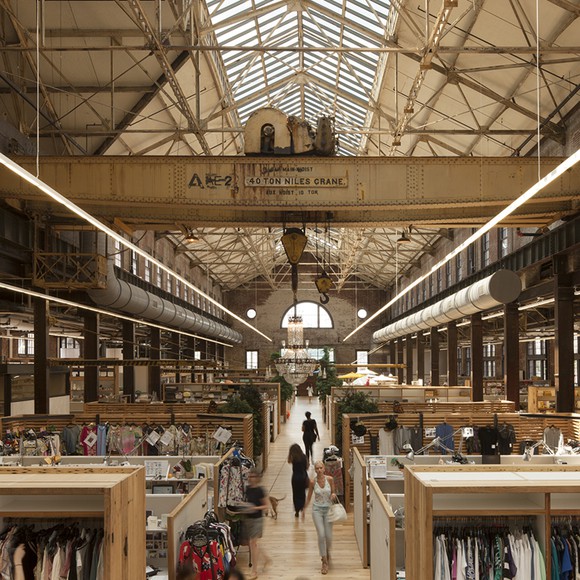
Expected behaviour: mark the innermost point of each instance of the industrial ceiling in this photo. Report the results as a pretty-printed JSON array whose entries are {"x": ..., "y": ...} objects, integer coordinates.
[{"x": 477, "y": 78}]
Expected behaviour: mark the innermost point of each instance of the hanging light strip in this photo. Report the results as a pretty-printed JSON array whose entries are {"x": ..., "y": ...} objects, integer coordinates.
[
  {"x": 526, "y": 196},
  {"x": 59, "y": 198}
]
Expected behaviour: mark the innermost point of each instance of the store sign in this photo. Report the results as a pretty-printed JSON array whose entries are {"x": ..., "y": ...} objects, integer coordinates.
[{"x": 296, "y": 181}]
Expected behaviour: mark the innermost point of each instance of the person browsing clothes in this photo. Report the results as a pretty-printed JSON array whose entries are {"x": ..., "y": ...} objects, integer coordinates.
[
  {"x": 309, "y": 434},
  {"x": 322, "y": 488},
  {"x": 257, "y": 504}
]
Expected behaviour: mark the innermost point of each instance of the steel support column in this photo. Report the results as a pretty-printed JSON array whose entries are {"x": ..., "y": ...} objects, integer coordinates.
[
  {"x": 564, "y": 336},
  {"x": 7, "y": 394},
  {"x": 511, "y": 349},
  {"x": 434, "y": 356},
  {"x": 41, "y": 370},
  {"x": 91, "y": 351},
  {"x": 409, "y": 359},
  {"x": 129, "y": 353},
  {"x": 392, "y": 352},
  {"x": 420, "y": 357},
  {"x": 155, "y": 353},
  {"x": 476, "y": 357},
  {"x": 452, "y": 353},
  {"x": 400, "y": 360}
]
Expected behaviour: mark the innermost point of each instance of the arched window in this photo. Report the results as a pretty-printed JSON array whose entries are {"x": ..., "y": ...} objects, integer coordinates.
[{"x": 313, "y": 315}]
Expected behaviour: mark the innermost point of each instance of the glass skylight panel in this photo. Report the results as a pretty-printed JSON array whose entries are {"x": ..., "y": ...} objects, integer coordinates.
[
  {"x": 220, "y": 10},
  {"x": 252, "y": 75}
]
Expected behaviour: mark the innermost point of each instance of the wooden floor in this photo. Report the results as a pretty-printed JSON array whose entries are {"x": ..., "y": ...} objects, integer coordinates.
[{"x": 290, "y": 542}]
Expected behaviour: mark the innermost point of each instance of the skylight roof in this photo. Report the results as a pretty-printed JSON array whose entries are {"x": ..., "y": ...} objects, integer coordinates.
[{"x": 306, "y": 83}]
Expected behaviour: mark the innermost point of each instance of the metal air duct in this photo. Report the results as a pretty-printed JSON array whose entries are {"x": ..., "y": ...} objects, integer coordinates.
[
  {"x": 126, "y": 297},
  {"x": 501, "y": 287}
]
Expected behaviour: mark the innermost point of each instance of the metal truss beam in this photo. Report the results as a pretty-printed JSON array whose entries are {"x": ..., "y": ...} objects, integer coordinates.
[{"x": 269, "y": 191}]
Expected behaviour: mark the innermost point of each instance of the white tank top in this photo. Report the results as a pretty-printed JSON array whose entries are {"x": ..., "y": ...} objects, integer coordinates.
[{"x": 322, "y": 494}]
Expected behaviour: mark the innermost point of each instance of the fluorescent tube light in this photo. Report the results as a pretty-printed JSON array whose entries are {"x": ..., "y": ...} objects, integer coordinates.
[
  {"x": 536, "y": 304},
  {"x": 526, "y": 196},
  {"x": 59, "y": 198}
]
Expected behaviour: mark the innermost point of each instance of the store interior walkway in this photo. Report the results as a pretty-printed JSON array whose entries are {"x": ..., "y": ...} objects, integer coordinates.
[{"x": 290, "y": 542}]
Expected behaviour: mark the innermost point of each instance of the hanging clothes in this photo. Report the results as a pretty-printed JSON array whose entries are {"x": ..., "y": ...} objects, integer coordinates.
[
  {"x": 491, "y": 552},
  {"x": 506, "y": 438},
  {"x": 386, "y": 441},
  {"x": 488, "y": 440},
  {"x": 552, "y": 436},
  {"x": 445, "y": 432}
]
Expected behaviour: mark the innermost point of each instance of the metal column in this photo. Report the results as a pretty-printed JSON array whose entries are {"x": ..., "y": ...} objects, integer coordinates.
[
  {"x": 452, "y": 353},
  {"x": 420, "y": 357},
  {"x": 511, "y": 346},
  {"x": 400, "y": 370},
  {"x": 434, "y": 356},
  {"x": 476, "y": 357},
  {"x": 409, "y": 357},
  {"x": 129, "y": 354},
  {"x": 564, "y": 336},
  {"x": 155, "y": 354},
  {"x": 41, "y": 370},
  {"x": 91, "y": 345}
]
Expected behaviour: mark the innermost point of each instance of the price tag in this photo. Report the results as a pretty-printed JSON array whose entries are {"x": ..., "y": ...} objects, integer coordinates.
[
  {"x": 467, "y": 432},
  {"x": 429, "y": 432},
  {"x": 153, "y": 437},
  {"x": 167, "y": 438},
  {"x": 90, "y": 440},
  {"x": 222, "y": 435},
  {"x": 357, "y": 440}
]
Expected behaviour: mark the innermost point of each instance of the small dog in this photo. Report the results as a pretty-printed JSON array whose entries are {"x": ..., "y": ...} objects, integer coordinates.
[{"x": 274, "y": 501}]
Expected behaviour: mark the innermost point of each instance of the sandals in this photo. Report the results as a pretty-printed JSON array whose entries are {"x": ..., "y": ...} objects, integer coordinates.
[{"x": 324, "y": 569}]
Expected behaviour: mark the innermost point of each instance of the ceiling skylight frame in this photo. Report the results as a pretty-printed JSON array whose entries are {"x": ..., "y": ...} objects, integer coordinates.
[{"x": 318, "y": 82}]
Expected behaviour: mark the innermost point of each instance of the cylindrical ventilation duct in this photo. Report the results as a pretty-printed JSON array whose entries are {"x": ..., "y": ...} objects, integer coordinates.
[
  {"x": 502, "y": 287},
  {"x": 123, "y": 296}
]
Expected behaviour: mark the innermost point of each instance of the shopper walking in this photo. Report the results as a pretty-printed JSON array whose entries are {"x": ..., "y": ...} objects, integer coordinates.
[
  {"x": 309, "y": 434},
  {"x": 322, "y": 487},
  {"x": 300, "y": 479},
  {"x": 258, "y": 503},
  {"x": 310, "y": 392}
]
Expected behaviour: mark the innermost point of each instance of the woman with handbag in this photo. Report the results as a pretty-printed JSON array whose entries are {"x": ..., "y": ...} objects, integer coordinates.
[
  {"x": 322, "y": 487},
  {"x": 300, "y": 479}
]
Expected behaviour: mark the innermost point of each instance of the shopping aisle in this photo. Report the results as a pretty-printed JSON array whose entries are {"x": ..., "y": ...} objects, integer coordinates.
[{"x": 290, "y": 542}]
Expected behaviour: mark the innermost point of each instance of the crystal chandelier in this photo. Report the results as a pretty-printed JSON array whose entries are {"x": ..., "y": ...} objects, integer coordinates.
[{"x": 294, "y": 364}]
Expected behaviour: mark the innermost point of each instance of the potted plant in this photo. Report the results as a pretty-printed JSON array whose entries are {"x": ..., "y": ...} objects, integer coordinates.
[{"x": 187, "y": 468}]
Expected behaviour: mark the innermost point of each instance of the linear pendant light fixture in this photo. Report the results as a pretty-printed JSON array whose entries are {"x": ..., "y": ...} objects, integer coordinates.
[
  {"x": 527, "y": 195},
  {"x": 45, "y": 188},
  {"x": 58, "y": 300}
]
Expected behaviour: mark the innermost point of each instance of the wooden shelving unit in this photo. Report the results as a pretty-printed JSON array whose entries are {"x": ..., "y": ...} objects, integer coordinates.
[
  {"x": 474, "y": 491},
  {"x": 108, "y": 388},
  {"x": 114, "y": 494},
  {"x": 543, "y": 399}
]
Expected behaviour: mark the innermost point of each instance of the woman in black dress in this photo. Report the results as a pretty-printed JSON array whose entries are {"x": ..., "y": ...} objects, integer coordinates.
[{"x": 300, "y": 479}]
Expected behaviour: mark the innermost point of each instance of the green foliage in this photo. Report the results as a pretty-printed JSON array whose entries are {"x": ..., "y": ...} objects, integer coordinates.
[
  {"x": 353, "y": 403},
  {"x": 248, "y": 400},
  {"x": 235, "y": 405},
  {"x": 324, "y": 386}
]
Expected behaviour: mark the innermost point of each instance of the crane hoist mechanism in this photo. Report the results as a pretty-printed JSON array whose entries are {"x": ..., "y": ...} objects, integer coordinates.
[{"x": 269, "y": 131}]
